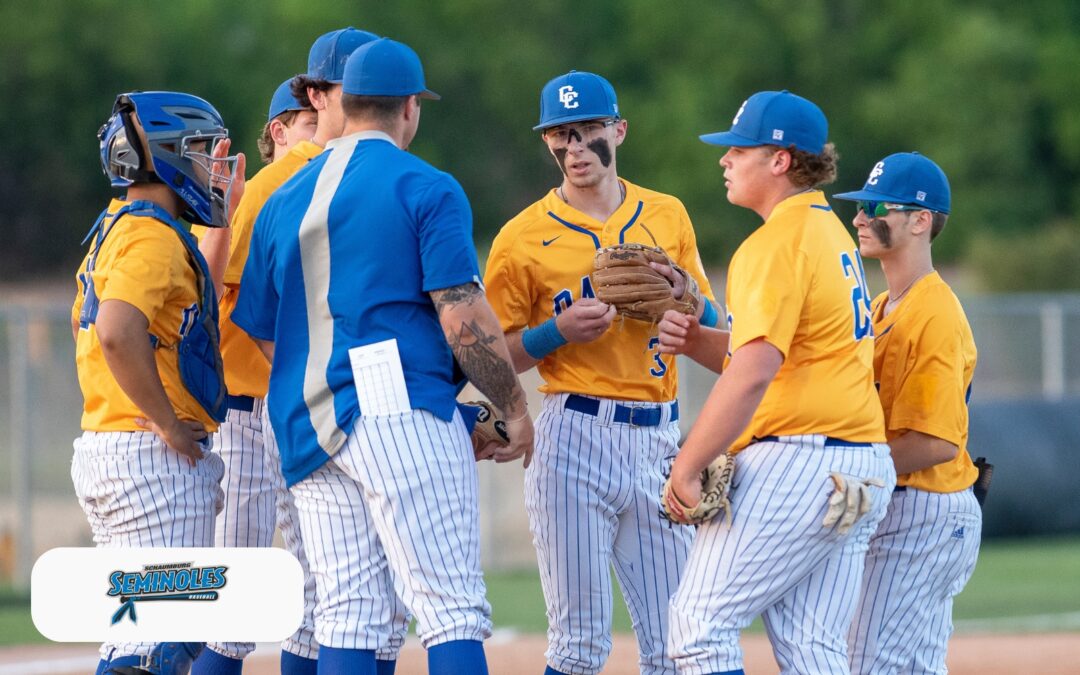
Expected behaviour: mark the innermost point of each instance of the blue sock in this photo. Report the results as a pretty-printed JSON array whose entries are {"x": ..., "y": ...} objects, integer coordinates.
[
  {"x": 291, "y": 664},
  {"x": 212, "y": 663},
  {"x": 101, "y": 666},
  {"x": 385, "y": 667},
  {"x": 458, "y": 657},
  {"x": 551, "y": 671},
  {"x": 738, "y": 671},
  {"x": 333, "y": 661}
]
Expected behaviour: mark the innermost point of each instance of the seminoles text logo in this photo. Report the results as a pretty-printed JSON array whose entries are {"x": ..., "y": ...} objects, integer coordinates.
[
  {"x": 567, "y": 96},
  {"x": 170, "y": 581}
]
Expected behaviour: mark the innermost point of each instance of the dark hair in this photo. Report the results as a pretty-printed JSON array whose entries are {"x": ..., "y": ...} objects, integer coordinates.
[
  {"x": 937, "y": 224},
  {"x": 810, "y": 170},
  {"x": 374, "y": 108},
  {"x": 299, "y": 87},
  {"x": 266, "y": 141}
]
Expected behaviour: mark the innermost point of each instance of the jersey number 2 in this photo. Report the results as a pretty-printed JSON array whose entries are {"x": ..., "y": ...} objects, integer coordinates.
[{"x": 860, "y": 294}]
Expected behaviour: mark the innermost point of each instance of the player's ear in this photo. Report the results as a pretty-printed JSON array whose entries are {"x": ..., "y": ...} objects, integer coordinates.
[
  {"x": 921, "y": 223},
  {"x": 780, "y": 162},
  {"x": 620, "y": 131},
  {"x": 277, "y": 132}
]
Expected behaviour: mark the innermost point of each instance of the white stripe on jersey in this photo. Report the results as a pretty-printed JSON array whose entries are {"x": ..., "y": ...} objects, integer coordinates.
[
  {"x": 922, "y": 555},
  {"x": 314, "y": 243}
]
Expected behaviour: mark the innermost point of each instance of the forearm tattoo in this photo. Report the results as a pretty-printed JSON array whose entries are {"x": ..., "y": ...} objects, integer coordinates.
[{"x": 473, "y": 346}]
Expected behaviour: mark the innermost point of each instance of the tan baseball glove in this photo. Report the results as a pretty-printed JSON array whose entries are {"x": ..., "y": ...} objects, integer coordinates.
[
  {"x": 623, "y": 277},
  {"x": 715, "y": 486},
  {"x": 850, "y": 500},
  {"x": 488, "y": 426}
]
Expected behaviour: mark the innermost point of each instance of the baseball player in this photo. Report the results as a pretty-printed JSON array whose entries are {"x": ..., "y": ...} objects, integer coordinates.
[
  {"x": 608, "y": 427},
  {"x": 145, "y": 328},
  {"x": 361, "y": 390},
  {"x": 924, "y": 551},
  {"x": 796, "y": 402},
  {"x": 254, "y": 485}
]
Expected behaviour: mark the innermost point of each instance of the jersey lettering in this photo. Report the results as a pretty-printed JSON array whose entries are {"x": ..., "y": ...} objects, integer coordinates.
[
  {"x": 860, "y": 294},
  {"x": 564, "y": 298},
  {"x": 661, "y": 367}
]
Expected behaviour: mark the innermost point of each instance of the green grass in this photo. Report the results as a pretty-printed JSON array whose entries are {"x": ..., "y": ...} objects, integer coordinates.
[{"x": 1014, "y": 578}]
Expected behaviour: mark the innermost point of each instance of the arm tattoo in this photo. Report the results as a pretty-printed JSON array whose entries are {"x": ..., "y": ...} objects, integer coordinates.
[
  {"x": 486, "y": 369},
  {"x": 447, "y": 298}
]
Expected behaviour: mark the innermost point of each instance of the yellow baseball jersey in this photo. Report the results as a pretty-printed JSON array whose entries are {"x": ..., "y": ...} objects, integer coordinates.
[
  {"x": 143, "y": 263},
  {"x": 924, "y": 359},
  {"x": 246, "y": 371},
  {"x": 797, "y": 282},
  {"x": 539, "y": 265}
]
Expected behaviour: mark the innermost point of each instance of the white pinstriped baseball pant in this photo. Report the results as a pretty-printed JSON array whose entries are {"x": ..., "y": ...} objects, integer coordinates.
[
  {"x": 776, "y": 560},
  {"x": 394, "y": 514},
  {"x": 921, "y": 555},
  {"x": 137, "y": 493},
  {"x": 593, "y": 498}
]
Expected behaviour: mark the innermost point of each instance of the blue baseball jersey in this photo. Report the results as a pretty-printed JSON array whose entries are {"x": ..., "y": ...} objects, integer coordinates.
[{"x": 344, "y": 255}]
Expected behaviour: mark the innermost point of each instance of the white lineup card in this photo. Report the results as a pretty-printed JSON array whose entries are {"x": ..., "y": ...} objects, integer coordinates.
[{"x": 379, "y": 379}]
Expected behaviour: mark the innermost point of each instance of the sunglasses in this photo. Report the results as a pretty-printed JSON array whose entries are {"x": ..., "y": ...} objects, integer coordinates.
[{"x": 881, "y": 209}]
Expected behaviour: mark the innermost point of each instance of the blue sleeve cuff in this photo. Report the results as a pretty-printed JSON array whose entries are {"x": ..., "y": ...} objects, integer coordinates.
[
  {"x": 709, "y": 317},
  {"x": 542, "y": 340}
]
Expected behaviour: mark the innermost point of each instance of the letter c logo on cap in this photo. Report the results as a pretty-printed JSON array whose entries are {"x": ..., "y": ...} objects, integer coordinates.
[
  {"x": 875, "y": 173},
  {"x": 567, "y": 96}
]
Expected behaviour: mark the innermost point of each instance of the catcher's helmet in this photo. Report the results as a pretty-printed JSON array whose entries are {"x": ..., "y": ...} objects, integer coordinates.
[{"x": 172, "y": 123}]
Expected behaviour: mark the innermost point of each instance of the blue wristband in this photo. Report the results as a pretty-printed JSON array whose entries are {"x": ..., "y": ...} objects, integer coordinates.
[
  {"x": 542, "y": 340},
  {"x": 709, "y": 317}
]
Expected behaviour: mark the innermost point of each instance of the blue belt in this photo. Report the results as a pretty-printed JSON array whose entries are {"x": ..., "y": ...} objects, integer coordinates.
[
  {"x": 244, "y": 403},
  {"x": 900, "y": 488},
  {"x": 830, "y": 442},
  {"x": 635, "y": 417}
]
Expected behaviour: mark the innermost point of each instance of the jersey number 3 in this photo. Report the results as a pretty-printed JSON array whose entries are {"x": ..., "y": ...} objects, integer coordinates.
[{"x": 860, "y": 294}]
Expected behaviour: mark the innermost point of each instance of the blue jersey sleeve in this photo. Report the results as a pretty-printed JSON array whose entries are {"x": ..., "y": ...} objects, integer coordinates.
[
  {"x": 444, "y": 220},
  {"x": 257, "y": 304}
]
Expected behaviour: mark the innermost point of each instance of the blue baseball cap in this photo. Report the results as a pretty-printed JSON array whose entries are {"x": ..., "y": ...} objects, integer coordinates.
[
  {"x": 326, "y": 60},
  {"x": 905, "y": 178},
  {"x": 385, "y": 67},
  {"x": 775, "y": 118},
  {"x": 574, "y": 97},
  {"x": 283, "y": 100}
]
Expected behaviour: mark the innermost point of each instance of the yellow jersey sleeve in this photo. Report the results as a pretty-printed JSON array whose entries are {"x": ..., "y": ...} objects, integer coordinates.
[
  {"x": 689, "y": 258},
  {"x": 507, "y": 284}
]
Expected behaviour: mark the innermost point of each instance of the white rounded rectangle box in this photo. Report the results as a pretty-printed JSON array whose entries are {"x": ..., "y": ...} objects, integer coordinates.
[{"x": 159, "y": 594}]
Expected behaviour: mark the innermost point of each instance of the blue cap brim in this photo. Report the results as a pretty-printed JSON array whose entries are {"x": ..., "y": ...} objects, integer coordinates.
[
  {"x": 731, "y": 139},
  {"x": 573, "y": 118},
  {"x": 868, "y": 196},
  {"x": 428, "y": 94}
]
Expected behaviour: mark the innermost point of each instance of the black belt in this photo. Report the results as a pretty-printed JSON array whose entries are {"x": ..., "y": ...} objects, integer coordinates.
[
  {"x": 244, "y": 403},
  {"x": 830, "y": 442},
  {"x": 635, "y": 417},
  {"x": 900, "y": 488}
]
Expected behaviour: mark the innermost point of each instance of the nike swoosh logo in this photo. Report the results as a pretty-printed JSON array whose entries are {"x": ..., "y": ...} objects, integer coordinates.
[{"x": 548, "y": 242}]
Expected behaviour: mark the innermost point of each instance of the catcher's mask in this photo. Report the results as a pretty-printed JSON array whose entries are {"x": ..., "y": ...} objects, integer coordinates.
[{"x": 181, "y": 131}]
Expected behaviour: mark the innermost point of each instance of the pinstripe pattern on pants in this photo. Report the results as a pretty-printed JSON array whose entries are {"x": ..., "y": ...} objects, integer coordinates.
[
  {"x": 247, "y": 518},
  {"x": 776, "y": 560},
  {"x": 395, "y": 512},
  {"x": 920, "y": 557},
  {"x": 592, "y": 496},
  {"x": 137, "y": 493}
]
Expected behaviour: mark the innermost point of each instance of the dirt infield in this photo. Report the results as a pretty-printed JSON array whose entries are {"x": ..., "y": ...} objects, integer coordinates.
[{"x": 1036, "y": 654}]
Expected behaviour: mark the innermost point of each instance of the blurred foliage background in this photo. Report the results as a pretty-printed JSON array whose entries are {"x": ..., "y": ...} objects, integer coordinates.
[{"x": 990, "y": 89}]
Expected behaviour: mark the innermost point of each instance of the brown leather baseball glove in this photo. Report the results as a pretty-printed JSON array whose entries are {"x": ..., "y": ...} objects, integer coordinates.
[
  {"x": 715, "y": 486},
  {"x": 623, "y": 277}
]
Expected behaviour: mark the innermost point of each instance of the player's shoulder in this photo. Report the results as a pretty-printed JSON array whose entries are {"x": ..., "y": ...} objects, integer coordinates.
[
  {"x": 653, "y": 199},
  {"x": 537, "y": 214}
]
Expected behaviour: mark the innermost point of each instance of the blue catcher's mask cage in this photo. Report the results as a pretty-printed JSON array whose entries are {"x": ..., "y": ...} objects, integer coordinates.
[{"x": 181, "y": 131}]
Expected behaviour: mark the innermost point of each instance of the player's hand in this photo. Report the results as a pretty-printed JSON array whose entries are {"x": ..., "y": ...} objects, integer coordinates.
[
  {"x": 222, "y": 173},
  {"x": 677, "y": 280},
  {"x": 678, "y": 332},
  {"x": 181, "y": 435},
  {"x": 520, "y": 431},
  {"x": 850, "y": 500},
  {"x": 685, "y": 484},
  {"x": 585, "y": 320}
]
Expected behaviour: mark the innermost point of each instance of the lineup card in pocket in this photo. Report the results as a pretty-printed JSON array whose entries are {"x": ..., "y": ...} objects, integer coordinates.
[{"x": 379, "y": 379}]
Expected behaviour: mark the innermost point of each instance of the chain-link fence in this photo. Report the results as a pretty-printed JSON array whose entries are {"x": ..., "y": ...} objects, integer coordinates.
[{"x": 1029, "y": 348}]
